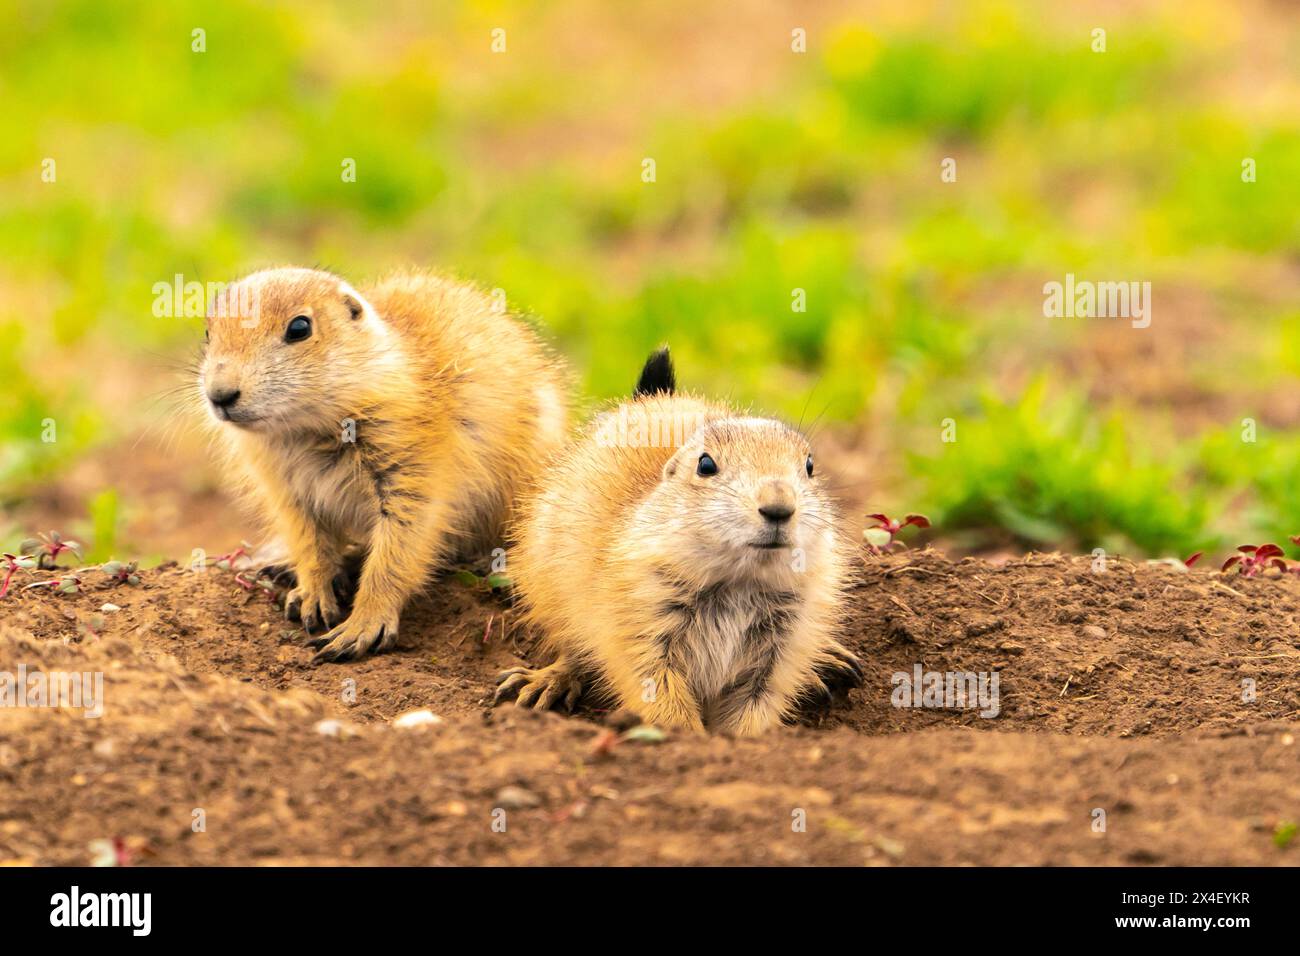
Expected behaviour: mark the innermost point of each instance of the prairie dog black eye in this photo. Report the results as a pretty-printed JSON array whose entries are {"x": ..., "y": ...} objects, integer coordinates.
[
  {"x": 299, "y": 328},
  {"x": 707, "y": 466},
  {"x": 807, "y": 465}
]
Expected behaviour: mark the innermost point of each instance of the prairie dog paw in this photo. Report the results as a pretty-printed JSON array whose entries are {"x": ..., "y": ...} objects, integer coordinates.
[
  {"x": 541, "y": 689},
  {"x": 314, "y": 605},
  {"x": 356, "y": 637},
  {"x": 839, "y": 668}
]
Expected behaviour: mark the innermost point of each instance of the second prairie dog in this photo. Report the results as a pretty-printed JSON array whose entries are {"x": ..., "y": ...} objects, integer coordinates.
[
  {"x": 400, "y": 419},
  {"x": 684, "y": 559}
]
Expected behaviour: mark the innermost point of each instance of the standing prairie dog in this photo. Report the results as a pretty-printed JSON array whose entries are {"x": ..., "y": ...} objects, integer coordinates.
[
  {"x": 684, "y": 559},
  {"x": 401, "y": 419}
]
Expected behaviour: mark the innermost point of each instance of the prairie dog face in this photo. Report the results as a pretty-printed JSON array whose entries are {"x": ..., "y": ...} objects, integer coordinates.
[
  {"x": 286, "y": 349},
  {"x": 743, "y": 497}
]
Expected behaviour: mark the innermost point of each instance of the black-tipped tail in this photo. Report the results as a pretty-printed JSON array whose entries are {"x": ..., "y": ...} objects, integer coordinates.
[{"x": 657, "y": 375}]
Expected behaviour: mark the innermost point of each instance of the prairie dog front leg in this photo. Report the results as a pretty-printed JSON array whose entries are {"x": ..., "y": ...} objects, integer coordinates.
[
  {"x": 653, "y": 686},
  {"x": 408, "y": 539},
  {"x": 316, "y": 558}
]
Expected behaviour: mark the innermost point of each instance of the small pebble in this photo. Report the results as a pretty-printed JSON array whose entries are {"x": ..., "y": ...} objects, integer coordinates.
[
  {"x": 109, "y": 608},
  {"x": 330, "y": 727},
  {"x": 416, "y": 718},
  {"x": 516, "y": 798},
  {"x": 890, "y": 847},
  {"x": 1093, "y": 631}
]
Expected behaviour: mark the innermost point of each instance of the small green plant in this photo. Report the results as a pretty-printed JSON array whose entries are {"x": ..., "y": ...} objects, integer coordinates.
[
  {"x": 490, "y": 582},
  {"x": 105, "y": 519},
  {"x": 1284, "y": 833}
]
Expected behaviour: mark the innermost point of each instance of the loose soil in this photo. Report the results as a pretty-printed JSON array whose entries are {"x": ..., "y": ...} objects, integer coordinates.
[{"x": 1120, "y": 690}]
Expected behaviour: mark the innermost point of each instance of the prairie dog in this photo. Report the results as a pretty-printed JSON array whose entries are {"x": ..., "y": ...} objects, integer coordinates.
[
  {"x": 401, "y": 419},
  {"x": 685, "y": 560}
]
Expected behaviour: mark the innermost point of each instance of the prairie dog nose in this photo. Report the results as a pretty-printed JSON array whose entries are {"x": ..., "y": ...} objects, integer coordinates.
[
  {"x": 223, "y": 397},
  {"x": 776, "y": 501}
]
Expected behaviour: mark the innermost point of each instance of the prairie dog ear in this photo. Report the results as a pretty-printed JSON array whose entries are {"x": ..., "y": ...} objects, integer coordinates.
[
  {"x": 673, "y": 463},
  {"x": 357, "y": 305}
]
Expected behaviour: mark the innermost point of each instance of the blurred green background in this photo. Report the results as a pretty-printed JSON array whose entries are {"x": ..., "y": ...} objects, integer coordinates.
[{"x": 775, "y": 171}]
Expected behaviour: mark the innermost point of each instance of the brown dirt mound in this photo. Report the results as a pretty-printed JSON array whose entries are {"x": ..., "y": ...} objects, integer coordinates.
[
  {"x": 210, "y": 704},
  {"x": 1134, "y": 650}
]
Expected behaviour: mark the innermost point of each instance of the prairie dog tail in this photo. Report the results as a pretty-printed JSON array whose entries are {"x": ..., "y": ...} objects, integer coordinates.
[{"x": 657, "y": 375}]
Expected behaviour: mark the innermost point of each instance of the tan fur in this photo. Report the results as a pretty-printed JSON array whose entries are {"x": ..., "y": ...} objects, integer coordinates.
[
  {"x": 642, "y": 575},
  {"x": 454, "y": 407}
]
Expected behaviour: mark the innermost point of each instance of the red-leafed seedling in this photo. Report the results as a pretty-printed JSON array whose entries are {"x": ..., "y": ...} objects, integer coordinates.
[
  {"x": 47, "y": 547},
  {"x": 13, "y": 563},
  {"x": 92, "y": 627},
  {"x": 265, "y": 585},
  {"x": 881, "y": 537},
  {"x": 1255, "y": 558},
  {"x": 226, "y": 562},
  {"x": 67, "y": 583},
  {"x": 121, "y": 572}
]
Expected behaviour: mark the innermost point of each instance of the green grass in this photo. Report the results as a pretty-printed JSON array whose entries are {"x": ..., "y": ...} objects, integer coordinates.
[
  {"x": 1050, "y": 472},
  {"x": 998, "y": 72}
]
